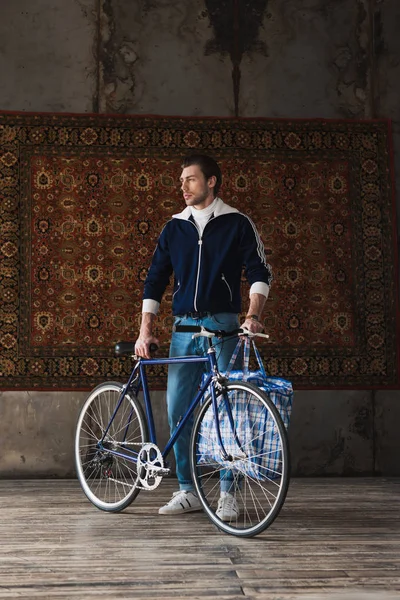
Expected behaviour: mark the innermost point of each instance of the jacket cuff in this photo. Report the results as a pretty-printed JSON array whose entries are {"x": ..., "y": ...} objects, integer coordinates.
[
  {"x": 259, "y": 287},
  {"x": 150, "y": 306}
]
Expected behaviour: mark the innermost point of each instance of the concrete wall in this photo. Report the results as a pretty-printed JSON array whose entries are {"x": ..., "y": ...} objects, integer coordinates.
[{"x": 298, "y": 58}]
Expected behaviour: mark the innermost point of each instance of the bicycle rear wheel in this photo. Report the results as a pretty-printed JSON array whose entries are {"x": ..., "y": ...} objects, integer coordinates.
[
  {"x": 257, "y": 470},
  {"x": 108, "y": 480}
]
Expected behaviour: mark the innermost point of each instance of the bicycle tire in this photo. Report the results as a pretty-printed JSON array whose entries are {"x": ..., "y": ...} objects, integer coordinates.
[
  {"x": 259, "y": 481},
  {"x": 110, "y": 482}
]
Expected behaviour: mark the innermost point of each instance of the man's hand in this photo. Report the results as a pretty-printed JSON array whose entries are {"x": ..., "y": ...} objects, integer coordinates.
[
  {"x": 142, "y": 345},
  {"x": 257, "y": 302},
  {"x": 252, "y": 325},
  {"x": 146, "y": 337}
]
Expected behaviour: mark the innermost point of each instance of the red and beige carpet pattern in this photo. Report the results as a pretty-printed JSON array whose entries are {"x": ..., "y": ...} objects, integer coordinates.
[{"x": 84, "y": 198}]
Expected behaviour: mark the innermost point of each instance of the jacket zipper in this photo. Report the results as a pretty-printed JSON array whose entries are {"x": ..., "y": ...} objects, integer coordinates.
[
  {"x": 198, "y": 265},
  {"x": 177, "y": 290},
  {"x": 198, "y": 274},
  {"x": 200, "y": 242},
  {"x": 227, "y": 284}
]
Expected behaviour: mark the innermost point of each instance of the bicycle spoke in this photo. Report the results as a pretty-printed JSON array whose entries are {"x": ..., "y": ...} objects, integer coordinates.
[
  {"x": 108, "y": 479},
  {"x": 255, "y": 470}
]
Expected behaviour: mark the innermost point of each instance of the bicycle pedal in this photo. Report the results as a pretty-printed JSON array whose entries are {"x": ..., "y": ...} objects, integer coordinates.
[{"x": 160, "y": 471}]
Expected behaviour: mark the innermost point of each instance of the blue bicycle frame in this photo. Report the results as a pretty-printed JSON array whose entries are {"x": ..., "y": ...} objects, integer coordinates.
[{"x": 139, "y": 374}]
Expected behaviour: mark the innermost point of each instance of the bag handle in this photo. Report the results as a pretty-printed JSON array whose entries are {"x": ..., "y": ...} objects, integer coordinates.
[
  {"x": 234, "y": 357},
  {"x": 259, "y": 359},
  {"x": 245, "y": 342}
]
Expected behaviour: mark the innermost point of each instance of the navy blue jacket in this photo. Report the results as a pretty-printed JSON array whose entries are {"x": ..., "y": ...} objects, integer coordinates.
[{"x": 207, "y": 269}]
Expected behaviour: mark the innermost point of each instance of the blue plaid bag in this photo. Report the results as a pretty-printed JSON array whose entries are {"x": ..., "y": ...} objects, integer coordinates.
[
  {"x": 279, "y": 390},
  {"x": 255, "y": 427}
]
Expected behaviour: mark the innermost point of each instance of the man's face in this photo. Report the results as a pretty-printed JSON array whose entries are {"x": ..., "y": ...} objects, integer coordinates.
[{"x": 197, "y": 191}]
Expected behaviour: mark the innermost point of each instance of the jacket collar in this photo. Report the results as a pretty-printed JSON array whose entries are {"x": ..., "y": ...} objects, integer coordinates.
[{"x": 220, "y": 209}]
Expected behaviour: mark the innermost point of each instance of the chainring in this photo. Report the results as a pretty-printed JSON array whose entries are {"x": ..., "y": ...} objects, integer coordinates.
[{"x": 149, "y": 461}]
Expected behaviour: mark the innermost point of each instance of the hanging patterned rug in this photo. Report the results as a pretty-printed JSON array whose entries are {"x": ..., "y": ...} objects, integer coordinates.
[{"x": 84, "y": 198}]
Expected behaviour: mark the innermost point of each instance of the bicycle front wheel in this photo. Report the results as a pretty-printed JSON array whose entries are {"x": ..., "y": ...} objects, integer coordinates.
[
  {"x": 255, "y": 470},
  {"x": 109, "y": 480}
]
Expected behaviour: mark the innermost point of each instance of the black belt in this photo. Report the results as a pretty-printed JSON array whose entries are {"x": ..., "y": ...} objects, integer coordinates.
[{"x": 195, "y": 315}]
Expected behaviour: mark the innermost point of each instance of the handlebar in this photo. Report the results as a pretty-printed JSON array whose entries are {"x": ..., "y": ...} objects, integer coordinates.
[
  {"x": 124, "y": 348},
  {"x": 200, "y": 331}
]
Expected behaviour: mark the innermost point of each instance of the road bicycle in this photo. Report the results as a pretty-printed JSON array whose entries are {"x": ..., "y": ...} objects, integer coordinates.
[{"x": 237, "y": 435}]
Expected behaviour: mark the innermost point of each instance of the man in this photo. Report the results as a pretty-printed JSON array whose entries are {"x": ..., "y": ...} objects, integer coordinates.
[{"x": 206, "y": 246}]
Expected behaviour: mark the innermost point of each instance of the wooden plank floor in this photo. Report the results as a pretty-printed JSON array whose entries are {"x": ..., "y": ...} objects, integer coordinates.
[{"x": 332, "y": 535}]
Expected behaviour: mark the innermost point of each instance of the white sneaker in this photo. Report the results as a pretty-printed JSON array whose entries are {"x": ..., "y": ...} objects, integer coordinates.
[
  {"x": 181, "y": 502},
  {"x": 228, "y": 508}
]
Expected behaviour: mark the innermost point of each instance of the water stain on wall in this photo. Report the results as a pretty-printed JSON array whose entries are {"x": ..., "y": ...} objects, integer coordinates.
[{"x": 236, "y": 25}]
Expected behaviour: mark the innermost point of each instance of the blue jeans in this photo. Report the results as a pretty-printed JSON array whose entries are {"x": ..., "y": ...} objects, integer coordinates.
[{"x": 184, "y": 379}]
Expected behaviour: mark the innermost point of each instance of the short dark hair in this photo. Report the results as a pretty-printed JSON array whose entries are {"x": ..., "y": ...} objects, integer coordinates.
[{"x": 208, "y": 166}]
